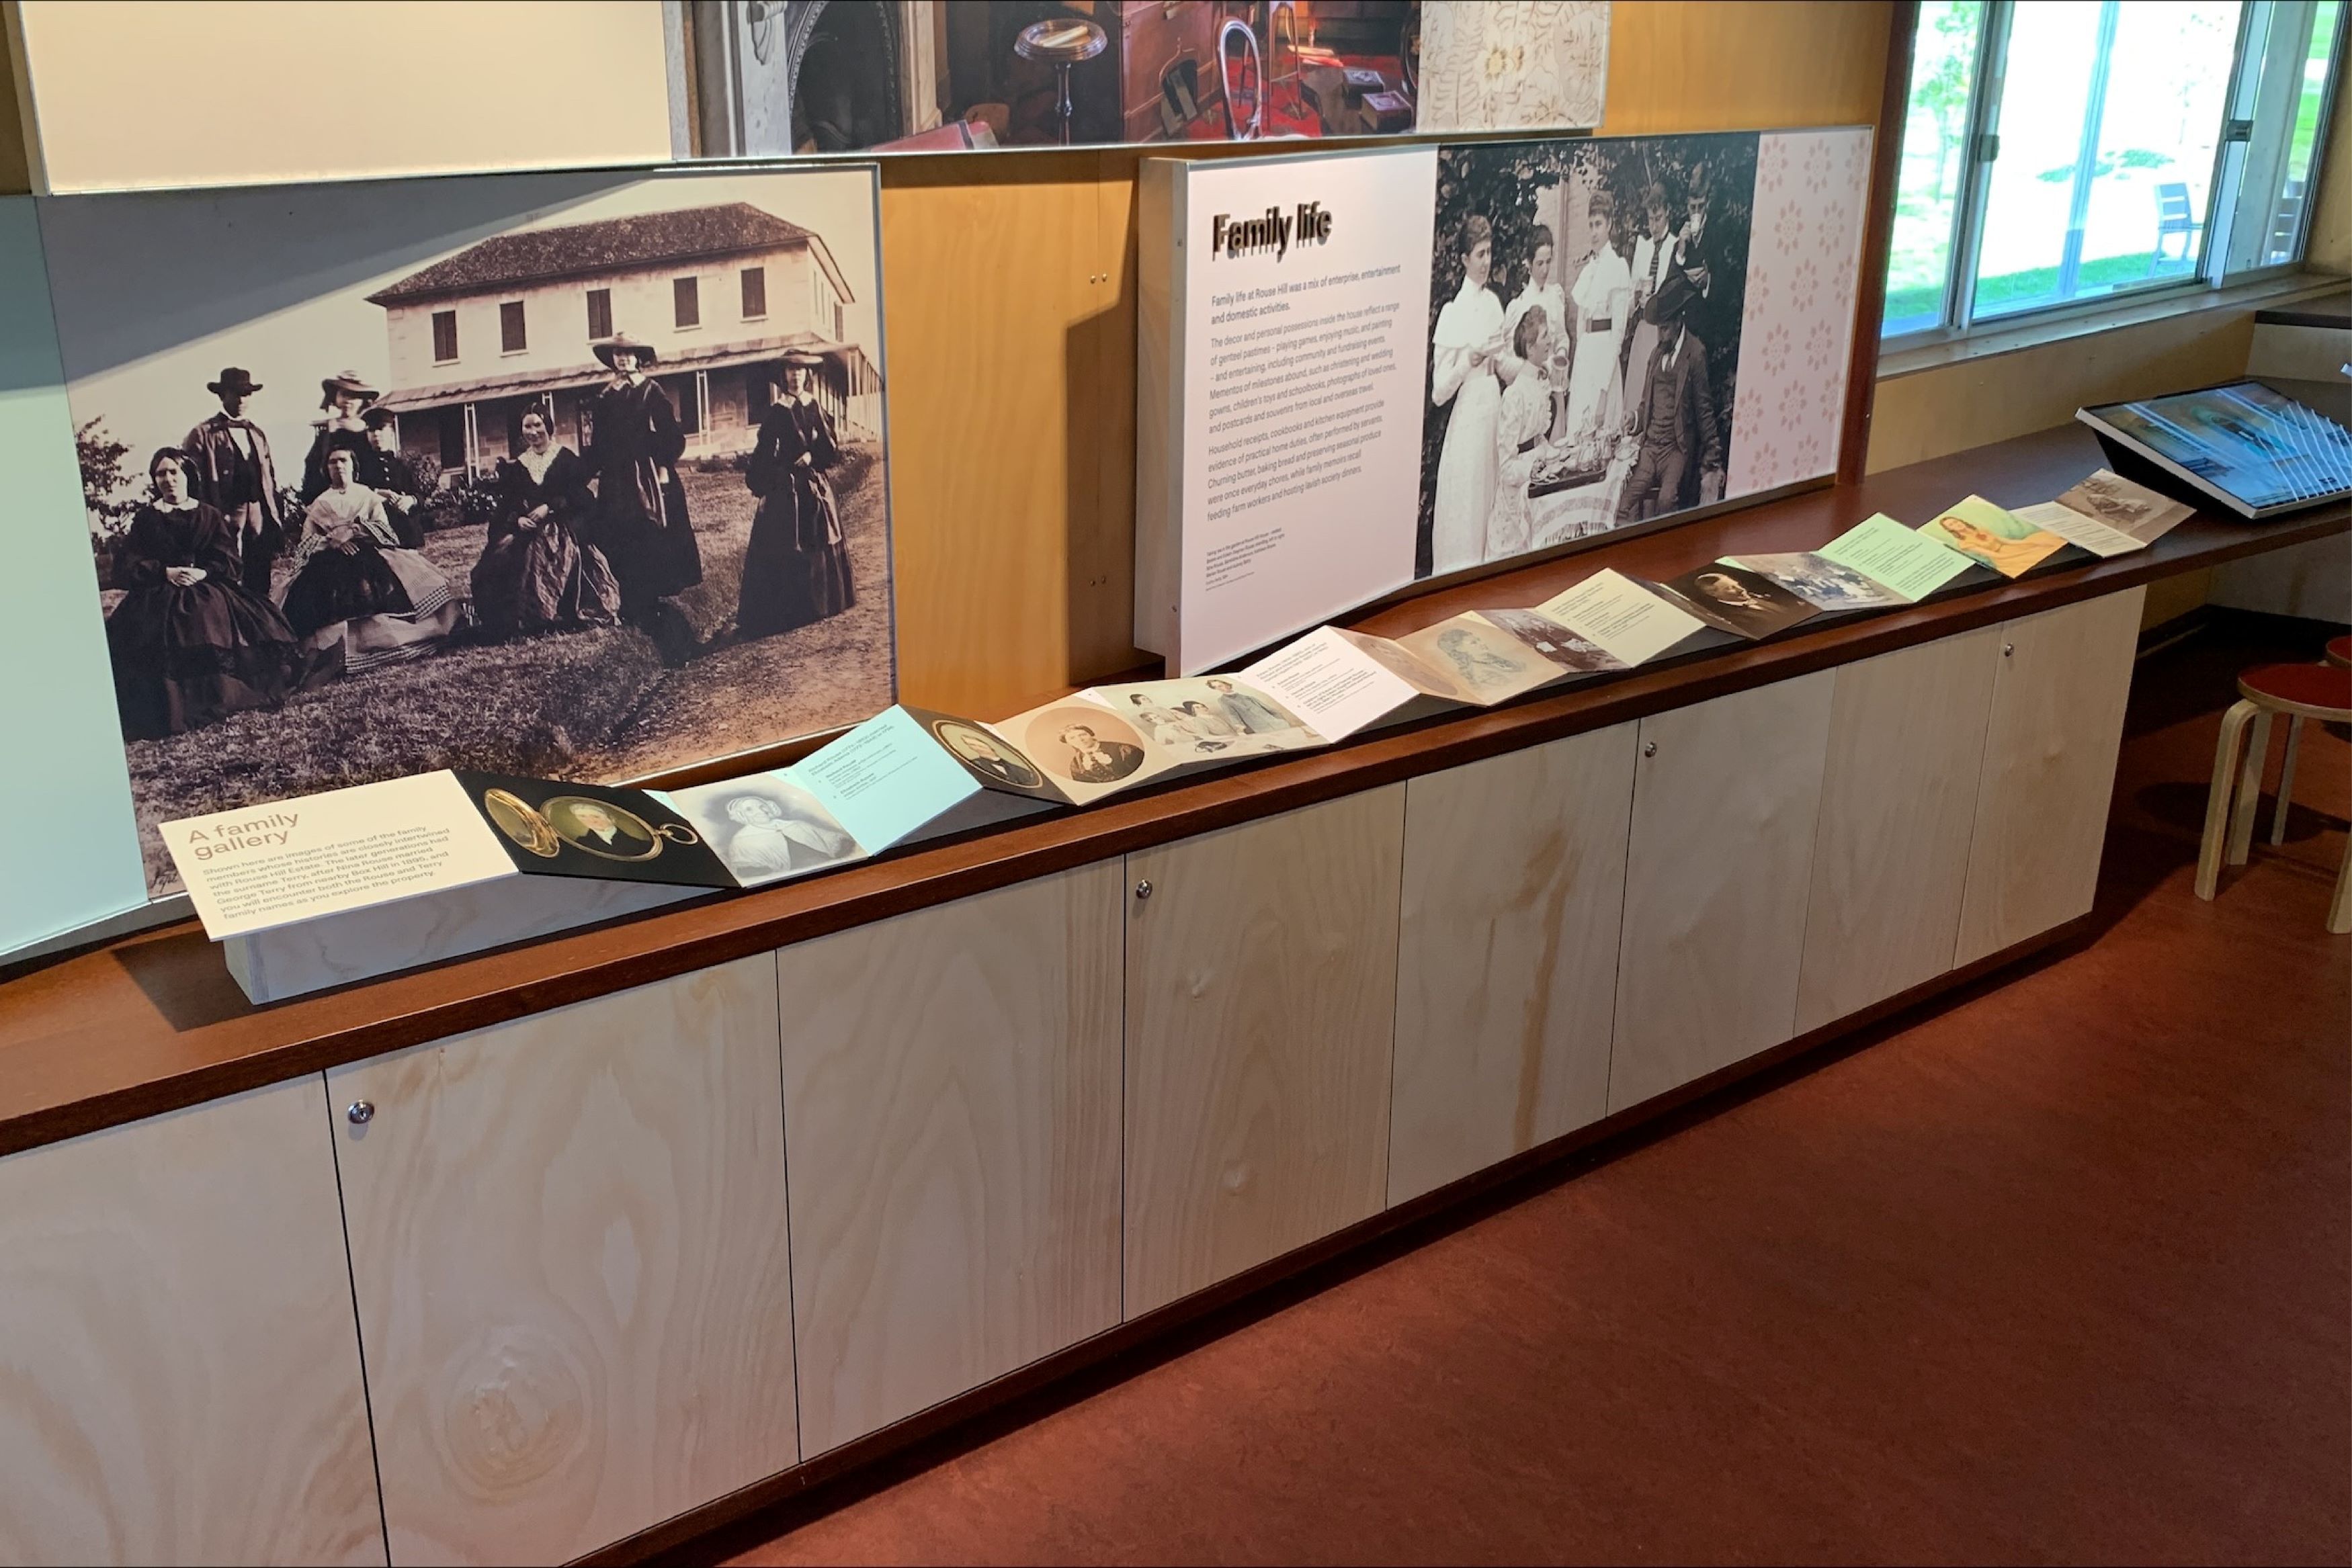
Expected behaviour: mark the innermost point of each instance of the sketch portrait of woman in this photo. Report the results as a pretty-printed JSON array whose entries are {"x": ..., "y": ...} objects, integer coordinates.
[{"x": 1473, "y": 663}]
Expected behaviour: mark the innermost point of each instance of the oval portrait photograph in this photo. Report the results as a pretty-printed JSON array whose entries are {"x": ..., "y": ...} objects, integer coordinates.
[
  {"x": 1085, "y": 745},
  {"x": 608, "y": 831},
  {"x": 985, "y": 755}
]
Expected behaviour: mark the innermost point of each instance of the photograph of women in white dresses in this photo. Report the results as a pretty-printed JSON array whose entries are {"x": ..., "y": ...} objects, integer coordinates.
[{"x": 1551, "y": 259}]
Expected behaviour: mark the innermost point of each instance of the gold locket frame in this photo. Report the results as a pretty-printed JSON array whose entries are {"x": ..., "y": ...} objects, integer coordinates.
[
  {"x": 520, "y": 822},
  {"x": 668, "y": 833}
]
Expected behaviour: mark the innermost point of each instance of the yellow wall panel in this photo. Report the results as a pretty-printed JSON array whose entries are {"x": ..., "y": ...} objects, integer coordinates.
[{"x": 1723, "y": 65}]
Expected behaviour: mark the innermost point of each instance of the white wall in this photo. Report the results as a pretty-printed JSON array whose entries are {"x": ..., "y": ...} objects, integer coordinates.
[
  {"x": 122, "y": 94},
  {"x": 555, "y": 319}
]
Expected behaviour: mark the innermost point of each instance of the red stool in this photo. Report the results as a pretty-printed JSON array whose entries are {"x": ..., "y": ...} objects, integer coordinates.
[
  {"x": 2322, "y": 692},
  {"x": 2339, "y": 652}
]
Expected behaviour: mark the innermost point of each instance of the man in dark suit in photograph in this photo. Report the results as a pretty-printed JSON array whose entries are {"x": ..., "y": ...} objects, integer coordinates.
[
  {"x": 237, "y": 478},
  {"x": 1680, "y": 439},
  {"x": 1713, "y": 258}
]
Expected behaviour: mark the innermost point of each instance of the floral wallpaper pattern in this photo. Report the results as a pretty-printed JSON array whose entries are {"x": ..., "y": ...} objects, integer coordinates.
[
  {"x": 1812, "y": 194},
  {"x": 1513, "y": 65}
]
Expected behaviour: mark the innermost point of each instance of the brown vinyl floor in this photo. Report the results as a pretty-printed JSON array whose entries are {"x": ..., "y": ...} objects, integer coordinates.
[{"x": 2053, "y": 1269}]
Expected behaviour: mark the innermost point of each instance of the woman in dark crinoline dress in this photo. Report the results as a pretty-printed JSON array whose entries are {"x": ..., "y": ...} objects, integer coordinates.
[
  {"x": 189, "y": 644},
  {"x": 535, "y": 575},
  {"x": 796, "y": 566},
  {"x": 355, "y": 586},
  {"x": 640, "y": 520}
]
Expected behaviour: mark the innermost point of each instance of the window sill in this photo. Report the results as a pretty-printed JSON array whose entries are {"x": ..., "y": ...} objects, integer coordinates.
[{"x": 1991, "y": 342}]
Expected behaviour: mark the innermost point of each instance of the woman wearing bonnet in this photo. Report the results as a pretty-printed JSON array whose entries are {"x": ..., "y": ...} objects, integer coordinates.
[
  {"x": 796, "y": 565},
  {"x": 343, "y": 399}
]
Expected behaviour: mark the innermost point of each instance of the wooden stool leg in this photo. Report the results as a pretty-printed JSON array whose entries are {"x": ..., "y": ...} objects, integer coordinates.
[
  {"x": 2217, "y": 799},
  {"x": 2286, "y": 778},
  {"x": 2339, "y": 908},
  {"x": 2250, "y": 789}
]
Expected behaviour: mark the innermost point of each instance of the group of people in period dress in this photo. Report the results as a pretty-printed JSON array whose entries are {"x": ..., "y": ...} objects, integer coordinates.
[
  {"x": 1199, "y": 726},
  {"x": 1610, "y": 368},
  {"x": 206, "y": 629}
]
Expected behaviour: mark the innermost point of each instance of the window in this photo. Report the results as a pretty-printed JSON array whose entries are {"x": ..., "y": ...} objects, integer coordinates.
[
  {"x": 600, "y": 314},
  {"x": 510, "y": 330},
  {"x": 688, "y": 393},
  {"x": 452, "y": 433},
  {"x": 685, "y": 300},
  {"x": 2066, "y": 151},
  {"x": 755, "y": 293},
  {"x": 444, "y": 336}
]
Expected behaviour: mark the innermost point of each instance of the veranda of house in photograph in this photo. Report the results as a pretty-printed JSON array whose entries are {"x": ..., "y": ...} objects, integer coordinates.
[{"x": 721, "y": 292}]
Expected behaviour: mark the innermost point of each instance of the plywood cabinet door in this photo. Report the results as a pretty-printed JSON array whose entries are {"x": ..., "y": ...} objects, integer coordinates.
[
  {"x": 178, "y": 1368},
  {"x": 2049, "y": 768},
  {"x": 1717, "y": 875},
  {"x": 951, "y": 1114},
  {"x": 1507, "y": 961},
  {"x": 568, "y": 1236},
  {"x": 1898, "y": 809},
  {"x": 1261, "y": 996}
]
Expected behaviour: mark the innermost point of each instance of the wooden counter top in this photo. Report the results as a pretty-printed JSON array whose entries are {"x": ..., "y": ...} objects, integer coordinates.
[{"x": 153, "y": 1022}]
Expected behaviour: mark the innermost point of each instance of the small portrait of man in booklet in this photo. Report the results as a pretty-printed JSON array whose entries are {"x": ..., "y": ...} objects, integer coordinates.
[
  {"x": 602, "y": 830},
  {"x": 1745, "y": 603},
  {"x": 985, "y": 755}
]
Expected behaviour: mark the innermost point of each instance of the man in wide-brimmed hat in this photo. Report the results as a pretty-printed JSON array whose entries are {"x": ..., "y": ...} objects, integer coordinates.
[
  {"x": 640, "y": 521},
  {"x": 1675, "y": 419},
  {"x": 236, "y": 476}
]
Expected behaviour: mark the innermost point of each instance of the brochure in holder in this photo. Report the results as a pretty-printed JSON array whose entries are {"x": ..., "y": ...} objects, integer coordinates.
[{"x": 2244, "y": 446}]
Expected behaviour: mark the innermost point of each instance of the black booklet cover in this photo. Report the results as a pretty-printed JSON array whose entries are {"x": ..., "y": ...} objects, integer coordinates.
[{"x": 553, "y": 829}]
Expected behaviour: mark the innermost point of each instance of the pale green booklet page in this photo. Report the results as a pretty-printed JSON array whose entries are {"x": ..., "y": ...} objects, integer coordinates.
[{"x": 1892, "y": 555}]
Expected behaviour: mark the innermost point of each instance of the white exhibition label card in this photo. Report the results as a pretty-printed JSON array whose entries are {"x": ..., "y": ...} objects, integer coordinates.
[
  {"x": 262, "y": 866},
  {"x": 2089, "y": 533},
  {"x": 1334, "y": 685},
  {"x": 1305, "y": 341},
  {"x": 1620, "y": 617}
]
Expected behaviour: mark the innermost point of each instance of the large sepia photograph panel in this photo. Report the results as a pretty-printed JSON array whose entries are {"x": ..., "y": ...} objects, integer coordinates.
[
  {"x": 570, "y": 475},
  {"x": 1585, "y": 319}
]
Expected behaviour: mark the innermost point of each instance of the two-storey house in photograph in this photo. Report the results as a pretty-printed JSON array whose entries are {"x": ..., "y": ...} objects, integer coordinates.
[{"x": 721, "y": 292}]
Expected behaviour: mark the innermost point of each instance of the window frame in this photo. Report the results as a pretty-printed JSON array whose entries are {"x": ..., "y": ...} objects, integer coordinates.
[
  {"x": 2207, "y": 275},
  {"x": 521, "y": 321},
  {"x": 682, "y": 289},
  {"x": 594, "y": 298},
  {"x": 455, "y": 347},
  {"x": 748, "y": 280}
]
